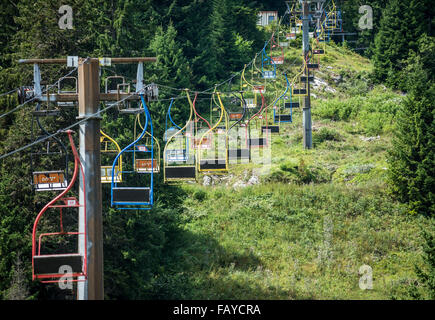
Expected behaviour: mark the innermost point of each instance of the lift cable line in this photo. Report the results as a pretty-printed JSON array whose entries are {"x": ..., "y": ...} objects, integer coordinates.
[
  {"x": 9, "y": 92},
  {"x": 123, "y": 100},
  {"x": 110, "y": 106},
  {"x": 207, "y": 91}
]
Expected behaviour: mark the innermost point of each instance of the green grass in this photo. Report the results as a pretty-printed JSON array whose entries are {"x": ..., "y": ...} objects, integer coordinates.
[
  {"x": 269, "y": 242},
  {"x": 317, "y": 216}
]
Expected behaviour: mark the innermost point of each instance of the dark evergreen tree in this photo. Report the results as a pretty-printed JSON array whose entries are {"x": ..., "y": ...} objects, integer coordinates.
[
  {"x": 401, "y": 26},
  {"x": 351, "y": 16},
  {"x": 426, "y": 274},
  {"x": 172, "y": 69},
  {"x": 412, "y": 158}
]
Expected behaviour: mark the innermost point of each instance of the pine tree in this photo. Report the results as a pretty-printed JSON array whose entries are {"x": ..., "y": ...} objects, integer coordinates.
[
  {"x": 19, "y": 289},
  {"x": 426, "y": 274},
  {"x": 412, "y": 158},
  {"x": 401, "y": 26},
  {"x": 7, "y": 11},
  {"x": 351, "y": 17},
  {"x": 172, "y": 69}
]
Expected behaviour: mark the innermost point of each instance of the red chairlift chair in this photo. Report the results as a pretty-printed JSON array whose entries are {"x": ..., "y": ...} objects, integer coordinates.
[{"x": 49, "y": 268}]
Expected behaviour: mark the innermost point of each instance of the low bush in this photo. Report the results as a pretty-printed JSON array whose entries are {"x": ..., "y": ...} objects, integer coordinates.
[{"x": 325, "y": 134}]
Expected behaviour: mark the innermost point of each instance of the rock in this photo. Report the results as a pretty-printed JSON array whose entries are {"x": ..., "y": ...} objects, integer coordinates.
[
  {"x": 370, "y": 139},
  {"x": 206, "y": 181},
  {"x": 239, "y": 184},
  {"x": 337, "y": 78},
  {"x": 319, "y": 84},
  {"x": 253, "y": 180},
  {"x": 215, "y": 180},
  {"x": 331, "y": 90}
]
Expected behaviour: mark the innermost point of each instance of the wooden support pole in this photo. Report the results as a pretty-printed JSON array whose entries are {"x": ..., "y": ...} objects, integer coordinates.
[{"x": 89, "y": 102}]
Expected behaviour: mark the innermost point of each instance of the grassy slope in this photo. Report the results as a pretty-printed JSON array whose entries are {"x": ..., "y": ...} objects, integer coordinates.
[{"x": 317, "y": 216}]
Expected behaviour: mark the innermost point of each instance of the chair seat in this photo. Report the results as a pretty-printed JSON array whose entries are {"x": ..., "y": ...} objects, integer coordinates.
[
  {"x": 46, "y": 113},
  {"x": 131, "y": 111},
  {"x": 50, "y": 264},
  {"x": 182, "y": 172},
  {"x": 283, "y": 118},
  {"x": 305, "y": 78},
  {"x": 312, "y": 65},
  {"x": 299, "y": 91},
  {"x": 234, "y": 154},
  {"x": 257, "y": 142},
  {"x": 291, "y": 105},
  {"x": 273, "y": 129},
  {"x": 213, "y": 164},
  {"x": 144, "y": 166},
  {"x": 131, "y": 195}
]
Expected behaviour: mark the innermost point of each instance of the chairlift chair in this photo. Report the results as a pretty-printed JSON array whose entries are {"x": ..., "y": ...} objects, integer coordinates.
[
  {"x": 67, "y": 85},
  {"x": 109, "y": 147},
  {"x": 279, "y": 117},
  {"x": 143, "y": 163},
  {"x": 215, "y": 158},
  {"x": 137, "y": 196},
  {"x": 237, "y": 150},
  {"x": 256, "y": 89},
  {"x": 267, "y": 61},
  {"x": 179, "y": 162},
  {"x": 299, "y": 87},
  {"x": 54, "y": 154},
  {"x": 201, "y": 126},
  {"x": 276, "y": 52},
  {"x": 260, "y": 141},
  {"x": 117, "y": 85},
  {"x": 49, "y": 267}
]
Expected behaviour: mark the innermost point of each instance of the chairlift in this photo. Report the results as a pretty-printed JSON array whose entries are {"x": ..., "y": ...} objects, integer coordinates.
[
  {"x": 137, "y": 197},
  {"x": 215, "y": 157},
  {"x": 236, "y": 149},
  {"x": 267, "y": 61},
  {"x": 279, "y": 117},
  {"x": 53, "y": 154},
  {"x": 110, "y": 148},
  {"x": 49, "y": 267},
  {"x": 179, "y": 162},
  {"x": 67, "y": 85},
  {"x": 144, "y": 163},
  {"x": 276, "y": 52}
]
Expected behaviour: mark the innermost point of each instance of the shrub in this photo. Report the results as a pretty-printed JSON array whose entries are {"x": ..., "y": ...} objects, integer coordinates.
[
  {"x": 325, "y": 134},
  {"x": 301, "y": 173},
  {"x": 200, "y": 195}
]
